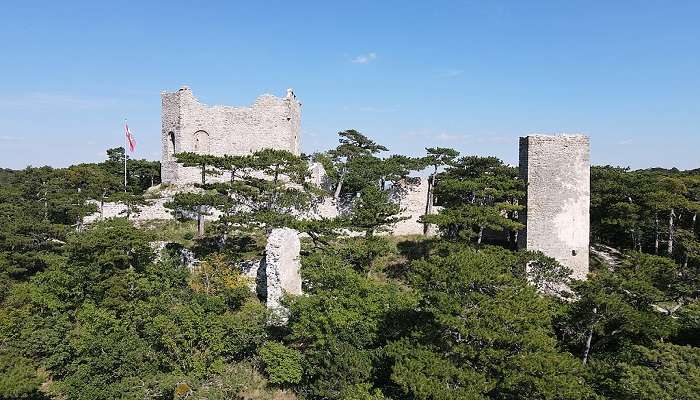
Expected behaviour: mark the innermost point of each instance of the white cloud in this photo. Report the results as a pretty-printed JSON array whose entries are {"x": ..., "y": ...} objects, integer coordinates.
[
  {"x": 625, "y": 142},
  {"x": 364, "y": 58},
  {"x": 447, "y": 137}
]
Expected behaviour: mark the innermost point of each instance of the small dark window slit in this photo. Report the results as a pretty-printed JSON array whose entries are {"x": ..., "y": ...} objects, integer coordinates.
[{"x": 171, "y": 136}]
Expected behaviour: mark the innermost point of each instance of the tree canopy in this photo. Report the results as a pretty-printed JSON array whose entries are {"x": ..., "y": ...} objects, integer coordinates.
[{"x": 111, "y": 309}]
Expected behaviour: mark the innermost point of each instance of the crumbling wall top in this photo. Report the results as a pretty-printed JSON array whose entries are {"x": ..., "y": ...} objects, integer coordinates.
[{"x": 263, "y": 100}]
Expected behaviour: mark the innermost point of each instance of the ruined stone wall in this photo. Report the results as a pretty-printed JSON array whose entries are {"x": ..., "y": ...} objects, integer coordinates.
[
  {"x": 281, "y": 268},
  {"x": 412, "y": 198},
  {"x": 188, "y": 125},
  {"x": 556, "y": 170}
]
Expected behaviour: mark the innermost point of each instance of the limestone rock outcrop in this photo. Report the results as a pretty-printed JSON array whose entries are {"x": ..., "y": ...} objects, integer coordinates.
[{"x": 281, "y": 268}]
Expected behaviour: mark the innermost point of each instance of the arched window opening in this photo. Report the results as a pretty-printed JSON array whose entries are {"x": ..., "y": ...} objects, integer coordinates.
[{"x": 201, "y": 142}]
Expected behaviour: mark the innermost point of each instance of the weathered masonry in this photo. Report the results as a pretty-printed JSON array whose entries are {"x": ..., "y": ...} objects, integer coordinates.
[
  {"x": 281, "y": 268},
  {"x": 190, "y": 126},
  {"x": 556, "y": 170}
]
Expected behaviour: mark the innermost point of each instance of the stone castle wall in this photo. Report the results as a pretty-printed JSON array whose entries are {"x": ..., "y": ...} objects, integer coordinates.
[
  {"x": 190, "y": 126},
  {"x": 556, "y": 170},
  {"x": 411, "y": 197},
  {"x": 271, "y": 122}
]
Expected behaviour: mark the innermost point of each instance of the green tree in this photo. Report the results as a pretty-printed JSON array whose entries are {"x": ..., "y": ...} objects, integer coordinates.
[
  {"x": 373, "y": 211},
  {"x": 205, "y": 163},
  {"x": 436, "y": 157},
  {"x": 271, "y": 193},
  {"x": 187, "y": 204},
  {"x": 617, "y": 309},
  {"x": 93, "y": 182},
  {"x": 235, "y": 165},
  {"x": 282, "y": 364},
  {"x": 141, "y": 174},
  {"x": 662, "y": 371},
  {"x": 36, "y": 212},
  {"x": 104, "y": 320},
  {"x": 641, "y": 210},
  {"x": 19, "y": 377},
  {"x": 352, "y": 144},
  {"x": 478, "y": 193},
  {"x": 340, "y": 326},
  {"x": 492, "y": 329}
]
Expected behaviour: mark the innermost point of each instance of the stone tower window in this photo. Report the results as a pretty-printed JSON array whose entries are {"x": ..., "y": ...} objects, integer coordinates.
[
  {"x": 201, "y": 142},
  {"x": 171, "y": 143}
]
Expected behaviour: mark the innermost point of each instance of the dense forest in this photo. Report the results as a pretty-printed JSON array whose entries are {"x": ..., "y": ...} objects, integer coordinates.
[{"x": 97, "y": 311}]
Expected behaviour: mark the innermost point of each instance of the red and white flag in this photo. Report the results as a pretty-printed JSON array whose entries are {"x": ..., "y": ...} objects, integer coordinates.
[{"x": 129, "y": 137}]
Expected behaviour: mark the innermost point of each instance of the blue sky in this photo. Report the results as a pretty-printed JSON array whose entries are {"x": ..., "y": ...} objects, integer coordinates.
[{"x": 473, "y": 75}]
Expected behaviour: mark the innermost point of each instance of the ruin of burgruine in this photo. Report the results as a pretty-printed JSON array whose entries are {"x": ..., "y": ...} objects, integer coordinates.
[
  {"x": 270, "y": 122},
  {"x": 555, "y": 169},
  {"x": 556, "y": 172},
  {"x": 188, "y": 125}
]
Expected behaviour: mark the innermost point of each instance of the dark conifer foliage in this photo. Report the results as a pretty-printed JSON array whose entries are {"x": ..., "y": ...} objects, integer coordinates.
[{"x": 92, "y": 311}]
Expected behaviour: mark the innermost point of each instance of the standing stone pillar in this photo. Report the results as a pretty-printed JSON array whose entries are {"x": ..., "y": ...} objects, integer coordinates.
[
  {"x": 282, "y": 268},
  {"x": 556, "y": 170}
]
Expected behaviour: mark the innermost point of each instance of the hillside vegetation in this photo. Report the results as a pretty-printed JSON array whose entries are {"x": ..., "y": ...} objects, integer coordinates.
[{"x": 91, "y": 311}]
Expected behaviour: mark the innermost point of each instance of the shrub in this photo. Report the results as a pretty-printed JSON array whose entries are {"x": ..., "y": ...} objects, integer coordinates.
[{"x": 282, "y": 364}]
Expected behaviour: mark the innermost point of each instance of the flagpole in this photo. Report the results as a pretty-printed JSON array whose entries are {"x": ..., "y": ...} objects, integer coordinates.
[{"x": 126, "y": 144}]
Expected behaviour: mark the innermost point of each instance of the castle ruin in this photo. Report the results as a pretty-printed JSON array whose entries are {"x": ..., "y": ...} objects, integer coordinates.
[
  {"x": 190, "y": 126},
  {"x": 556, "y": 170}
]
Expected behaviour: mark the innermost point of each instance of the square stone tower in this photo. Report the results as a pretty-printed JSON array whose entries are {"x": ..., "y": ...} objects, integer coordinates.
[
  {"x": 190, "y": 126},
  {"x": 556, "y": 170}
]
